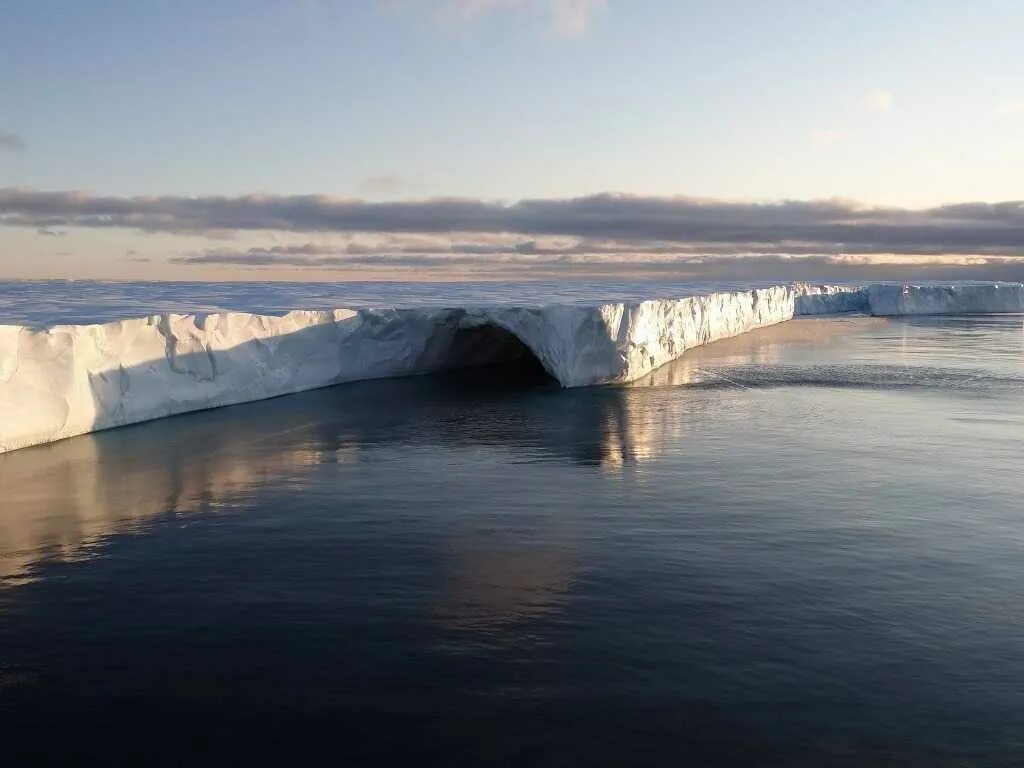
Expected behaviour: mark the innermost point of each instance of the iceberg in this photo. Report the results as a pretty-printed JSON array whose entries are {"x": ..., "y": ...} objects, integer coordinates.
[{"x": 68, "y": 380}]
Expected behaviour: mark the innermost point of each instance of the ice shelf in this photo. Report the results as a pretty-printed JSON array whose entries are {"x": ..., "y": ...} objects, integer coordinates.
[{"x": 68, "y": 380}]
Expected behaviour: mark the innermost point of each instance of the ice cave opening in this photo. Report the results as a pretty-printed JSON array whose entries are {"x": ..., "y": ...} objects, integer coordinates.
[{"x": 488, "y": 354}]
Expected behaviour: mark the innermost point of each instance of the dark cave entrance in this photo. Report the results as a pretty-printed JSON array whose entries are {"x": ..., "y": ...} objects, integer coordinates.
[{"x": 487, "y": 355}]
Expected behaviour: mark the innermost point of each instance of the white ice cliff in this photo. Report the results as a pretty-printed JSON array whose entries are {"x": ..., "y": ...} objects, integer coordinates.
[
  {"x": 958, "y": 299},
  {"x": 71, "y": 379}
]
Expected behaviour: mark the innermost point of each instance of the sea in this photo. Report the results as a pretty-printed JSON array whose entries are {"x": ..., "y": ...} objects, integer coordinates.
[{"x": 803, "y": 546}]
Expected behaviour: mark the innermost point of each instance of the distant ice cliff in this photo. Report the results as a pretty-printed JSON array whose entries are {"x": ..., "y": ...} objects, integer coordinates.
[{"x": 958, "y": 299}]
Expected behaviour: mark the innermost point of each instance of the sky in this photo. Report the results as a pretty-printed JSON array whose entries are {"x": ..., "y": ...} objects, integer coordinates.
[{"x": 453, "y": 139}]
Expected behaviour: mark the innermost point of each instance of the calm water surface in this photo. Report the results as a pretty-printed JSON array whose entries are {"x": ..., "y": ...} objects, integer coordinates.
[{"x": 804, "y": 546}]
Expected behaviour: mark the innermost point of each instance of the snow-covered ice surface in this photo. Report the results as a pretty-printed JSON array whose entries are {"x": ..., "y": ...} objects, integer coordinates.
[
  {"x": 44, "y": 303},
  {"x": 62, "y": 380}
]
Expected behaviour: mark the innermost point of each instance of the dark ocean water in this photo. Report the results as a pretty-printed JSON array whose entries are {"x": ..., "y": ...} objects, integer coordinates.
[{"x": 804, "y": 546}]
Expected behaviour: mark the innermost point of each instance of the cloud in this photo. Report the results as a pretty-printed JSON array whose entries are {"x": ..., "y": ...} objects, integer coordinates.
[
  {"x": 471, "y": 9},
  {"x": 827, "y": 136},
  {"x": 879, "y": 100},
  {"x": 1009, "y": 107},
  {"x": 565, "y": 18},
  {"x": 791, "y": 226},
  {"x": 768, "y": 267},
  {"x": 11, "y": 141},
  {"x": 571, "y": 18},
  {"x": 387, "y": 184}
]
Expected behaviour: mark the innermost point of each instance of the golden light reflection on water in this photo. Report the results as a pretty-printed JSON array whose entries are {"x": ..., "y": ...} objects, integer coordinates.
[
  {"x": 59, "y": 500},
  {"x": 765, "y": 346},
  {"x": 640, "y": 426},
  {"x": 490, "y": 588}
]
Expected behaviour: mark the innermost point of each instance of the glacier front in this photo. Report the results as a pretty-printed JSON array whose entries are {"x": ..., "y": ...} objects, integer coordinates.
[
  {"x": 888, "y": 299},
  {"x": 68, "y": 380}
]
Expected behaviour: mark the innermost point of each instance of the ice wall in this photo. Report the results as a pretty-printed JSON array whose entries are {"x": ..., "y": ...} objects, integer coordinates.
[
  {"x": 829, "y": 299},
  {"x": 71, "y": 379},
  {"x": 960, "y": 299}
]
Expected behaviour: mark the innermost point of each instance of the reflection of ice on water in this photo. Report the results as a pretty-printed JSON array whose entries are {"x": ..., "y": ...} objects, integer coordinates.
[
  {"x": 59, "y": 500},
  {"x": 62, "y": 499},
  {"x": 650, "y": 414},
  {"x": 762, "y": 347}
]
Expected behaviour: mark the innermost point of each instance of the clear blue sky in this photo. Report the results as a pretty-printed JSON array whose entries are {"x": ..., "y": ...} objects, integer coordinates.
[{"x": 896, "y": 103}]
